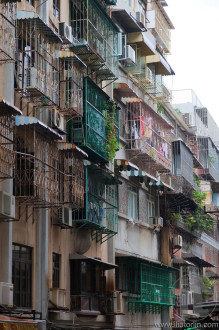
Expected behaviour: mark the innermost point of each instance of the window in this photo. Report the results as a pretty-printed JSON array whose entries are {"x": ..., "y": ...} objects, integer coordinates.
[
  {"x": 55, "y": 270},
  {"x": 141, "y": 7},
  {"x": 22, "y": 275},
  {"x": 132, "y": 202},
  {"x": 87, "y": 285},
  {"x": 150, "y": 208},
  {"x": 31, "y": 2},
  {"x": 56, "y": 8}
]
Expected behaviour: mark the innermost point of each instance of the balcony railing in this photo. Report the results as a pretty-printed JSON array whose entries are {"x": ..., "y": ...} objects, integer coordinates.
[
  {"x": 71, "y": 177},
  {"x": 36, "y": 165},
  {"x": 148, "y": 136},
  {"x": 95, "y": 37},
  {"x": 71, "y": 85},
  {"x": 161, "y": 26},
  {"x": 7, "y": 32},
  {"x": 182, "y": 163},
  {"x": 91, "y": 134},
  {"x": 208, "y": 156},
  {"x": 145, "y": 78},
  {"x": 101, "y": 202},
  {"x": 85, "y": 303},
  {"x": 38, "y": 76},
  {"x": 151, "y": 287},
  {"x": 6, "y": 147}
]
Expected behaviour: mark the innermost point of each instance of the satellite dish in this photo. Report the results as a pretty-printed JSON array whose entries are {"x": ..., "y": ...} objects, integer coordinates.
[{"x": 82, "y": 241}]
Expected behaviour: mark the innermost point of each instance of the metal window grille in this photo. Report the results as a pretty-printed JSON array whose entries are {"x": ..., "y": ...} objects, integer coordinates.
[{"x": 55, "y": 270}]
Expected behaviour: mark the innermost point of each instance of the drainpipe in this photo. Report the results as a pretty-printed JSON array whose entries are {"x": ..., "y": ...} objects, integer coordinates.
[
  {"x": 7, "y": 92},
  {"x": 42, "y": 236}
]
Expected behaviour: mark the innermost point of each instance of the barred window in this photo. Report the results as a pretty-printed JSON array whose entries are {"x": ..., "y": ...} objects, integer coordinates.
[{"x": 22, "y": 275}]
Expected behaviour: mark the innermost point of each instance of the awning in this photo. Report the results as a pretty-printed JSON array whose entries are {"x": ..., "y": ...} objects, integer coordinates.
[
  {"x": 8, "y": 322},
  {"x": 162, "y": 67},
  {"x": 179, "y": 199},
  {"x": 139, "y": 259},
  {"x": 105, "y": 174},
  {"x": 68, "y": 55},
  {"x": 124, "y": 165},
  {"x": 213, "y": 209},
  {"x": 141, "y": 38},
  {"x": 41, "y": 127},
  {"x": 196, "y": 260},
  {"x": 128, "y": 22},
  {"x": 106, "y": 265},
  {"x": 7, "y": 108},
  {"x": 182, "y": 262},
  {"x": 215, "y": 186},
  {"x": 132, "y": 170},
  {"x": 33, "y": 19},
  {"x": 71, "y": 146}
]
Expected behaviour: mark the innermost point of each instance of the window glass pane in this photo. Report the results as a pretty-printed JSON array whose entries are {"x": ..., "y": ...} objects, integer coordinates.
[
  {"x": 135, "y": 206},
  {"x": 22, "y": 275}
]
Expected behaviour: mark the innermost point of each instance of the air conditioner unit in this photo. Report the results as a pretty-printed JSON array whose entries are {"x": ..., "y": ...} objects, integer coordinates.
[
  {"x": 187, "y": 117},
  {"x": 114, "y": 303},
  {"x": 64, "y": 216},
  {"x": 7, "y": 205},
  {"x": 156, "y": 221},
  {"x": 130, "y": 55},
  {"x": 190, "y": 298},
  {"x": 57, "y": 298},
  {"x": 66, "y": 32},
  {"x": 140, "y": 17},
  {"x": 30, "y": 77},
  {"x": 177, "y": 242},
  {"x": 56, "y": 119},
  {"x": 6, "y": 294},
  {"x": 149, "y": 75}
]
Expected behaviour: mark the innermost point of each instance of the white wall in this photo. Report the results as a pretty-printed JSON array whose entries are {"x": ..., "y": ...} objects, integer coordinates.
[{"x": 136, "y": 240}]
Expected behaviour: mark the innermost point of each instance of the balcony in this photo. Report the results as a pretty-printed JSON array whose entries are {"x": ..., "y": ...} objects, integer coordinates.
[
  {"x": 91, "y": 134},
  {"x": 37, "y": 70},
  {"x": 208, "y": 156},
  {"x": 36, "y": 164},
  {"x": 71, "y": 84},
  {"x": 182, "y": 161},
  {"x": 37, "y": 76},
  {"x": 149, "y": 80},
  {"x": 148, "y": 137},
  {"x": 144, "y": 41},
  {"x": 99, "y": 213},
  {"x": 160, "y": 25},
  {"x": 151, "y": 287},
  {"x": 7, "y": 156},
  {"x": 71, "y": 176},
  {"x": 95, "y": 38},
  {"x": 88, "y": 284},
  {"x": 7, "y": 33}
]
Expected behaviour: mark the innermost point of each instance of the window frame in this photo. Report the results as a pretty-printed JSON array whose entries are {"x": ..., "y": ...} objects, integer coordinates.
[
  {"x": 133, "y": 198},
  {"x": 24, "y": 265},
  {"x": 56, "y": 9},
  {"x": 56, "y": 270},
  {"x": 150, "y": 202}
]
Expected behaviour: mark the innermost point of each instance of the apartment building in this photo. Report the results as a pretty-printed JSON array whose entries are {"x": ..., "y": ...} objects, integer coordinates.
[{"x": 98, "y": 171}]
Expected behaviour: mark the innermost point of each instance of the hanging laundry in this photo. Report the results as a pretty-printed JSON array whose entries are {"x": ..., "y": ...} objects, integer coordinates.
[
  {"x": 142, "y": 125},
  {"x": 146, "y": 128},
  {"x": 150, "y": 127},
  {"x": 135, "y": 131},
  {"x": 165, "y": 150}
]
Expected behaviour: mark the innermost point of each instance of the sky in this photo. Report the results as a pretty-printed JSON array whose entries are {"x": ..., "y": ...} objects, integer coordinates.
[{"x": 195, "y": 50}]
